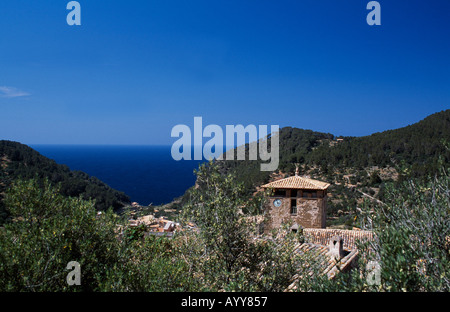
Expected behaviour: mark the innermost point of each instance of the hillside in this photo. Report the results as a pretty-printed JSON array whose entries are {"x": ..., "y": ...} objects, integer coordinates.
[
  {"x": 419, "y": 145},
  {"x": 20, "y": 161},
  {"x": 357, "y": 167}
]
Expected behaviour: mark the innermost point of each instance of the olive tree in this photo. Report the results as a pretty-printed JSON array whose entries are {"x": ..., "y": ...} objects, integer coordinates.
[{"x": 230, "y": 256}]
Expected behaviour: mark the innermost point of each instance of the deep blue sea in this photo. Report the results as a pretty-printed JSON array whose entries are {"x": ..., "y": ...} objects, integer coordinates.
[{"x": 147, "y": 174}]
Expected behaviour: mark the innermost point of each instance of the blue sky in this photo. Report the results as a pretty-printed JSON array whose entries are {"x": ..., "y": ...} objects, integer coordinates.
[{"x": 135, "y": 69}]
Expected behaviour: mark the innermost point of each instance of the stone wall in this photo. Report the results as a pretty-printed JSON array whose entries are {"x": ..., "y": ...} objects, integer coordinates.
[{"x": 311, "y": 213}]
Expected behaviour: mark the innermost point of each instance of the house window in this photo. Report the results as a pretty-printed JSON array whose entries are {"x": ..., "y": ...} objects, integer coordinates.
[
  {"x": 293, "y": 206},
  {"x": 310, "y": 194},
  {"x": 293, "y": 193},
  {"x": 281, "y": 193}
]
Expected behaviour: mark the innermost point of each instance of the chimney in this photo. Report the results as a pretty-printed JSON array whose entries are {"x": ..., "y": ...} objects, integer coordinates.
[
  {"x": 296, "y": 170},
  {"x": 336, "y": 247}
]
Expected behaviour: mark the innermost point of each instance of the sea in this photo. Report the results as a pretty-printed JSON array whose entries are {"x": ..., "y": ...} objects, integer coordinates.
[{"x": 147, "y": 174}]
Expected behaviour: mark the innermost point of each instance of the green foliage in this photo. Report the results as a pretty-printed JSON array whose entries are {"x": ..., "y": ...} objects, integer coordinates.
[
  {"x": 412, "y": 245},
  {"x": 231, "y": 259},
  {"x": 151, "y": 264},
  {"x": 134, "y": 233},
  {"x": 413, "y": 229},
  {"x": 48, "y": 231}
]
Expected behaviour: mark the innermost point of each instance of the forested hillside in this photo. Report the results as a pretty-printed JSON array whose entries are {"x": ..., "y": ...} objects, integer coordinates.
[
  {"x": 20, "y": 161},
  {"x": 419, "y": 145},
  {"x": 356, "y": 165}
]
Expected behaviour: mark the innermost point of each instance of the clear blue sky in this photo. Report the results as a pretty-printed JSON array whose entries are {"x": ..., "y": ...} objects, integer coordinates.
[{"x": 134, "y": 69}]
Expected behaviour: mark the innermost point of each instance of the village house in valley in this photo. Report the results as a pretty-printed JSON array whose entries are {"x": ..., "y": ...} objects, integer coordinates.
[{"x": 155, "y": 226}]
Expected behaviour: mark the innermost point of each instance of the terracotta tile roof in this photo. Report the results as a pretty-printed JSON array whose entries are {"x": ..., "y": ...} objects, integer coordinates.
[
  {"x": 323, "y": 260},
  {"x": 316, "y": 257},
  {"x": 318, "y": 262},
  {"x": 297, "y": 182},
  {"x": 350, "y": 237}
]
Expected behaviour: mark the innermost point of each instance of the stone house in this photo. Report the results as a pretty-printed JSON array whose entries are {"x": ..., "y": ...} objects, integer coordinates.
[
  {"x": 298, "y": 199},
  {"x": 303, "y": 202}
]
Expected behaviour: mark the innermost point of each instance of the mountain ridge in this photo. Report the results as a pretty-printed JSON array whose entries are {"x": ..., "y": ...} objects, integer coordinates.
[
  {"x": 19, "y": 161},
  {"x": 367, "y": 163},
  {"x": 356, "y": 167}
]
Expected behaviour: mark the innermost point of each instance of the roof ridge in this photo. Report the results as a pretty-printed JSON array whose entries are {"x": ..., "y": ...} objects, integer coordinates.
[{"x": 298, "y": 182}]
